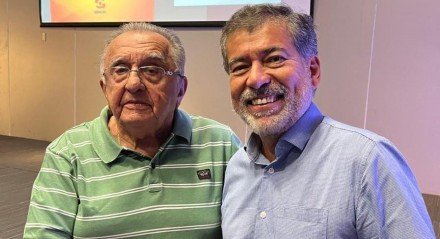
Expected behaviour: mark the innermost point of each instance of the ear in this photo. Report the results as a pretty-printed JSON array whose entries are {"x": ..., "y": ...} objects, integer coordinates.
[
  {"x": 103, "y": 85},
  {"x": 315, "y": 71},
  {"x": 182, "y": 84}
]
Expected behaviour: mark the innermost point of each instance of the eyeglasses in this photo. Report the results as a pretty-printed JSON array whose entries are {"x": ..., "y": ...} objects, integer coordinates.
[{"x": 150, "y": 73}]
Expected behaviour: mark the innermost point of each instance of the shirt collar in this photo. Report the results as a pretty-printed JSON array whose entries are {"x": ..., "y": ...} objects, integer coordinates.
[
  {"x": 298, "y": 135},
  {"x": 182, "y": 125},
  {"x": 103, "y": 142},
  {"x": 108, "y": 149}
]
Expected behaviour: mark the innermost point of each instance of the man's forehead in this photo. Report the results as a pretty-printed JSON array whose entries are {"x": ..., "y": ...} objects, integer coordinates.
[
  {"x": 146, "y": 44},
  {"x": 259, "y": 43}
]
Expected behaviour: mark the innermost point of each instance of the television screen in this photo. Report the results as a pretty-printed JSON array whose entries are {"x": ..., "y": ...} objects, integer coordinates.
[{"x": 161, "y": 12}]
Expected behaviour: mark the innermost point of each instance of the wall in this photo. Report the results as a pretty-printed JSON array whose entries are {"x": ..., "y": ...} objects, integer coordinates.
[
  {"x": 4, "y": 69},
  {"x": 379, "y": 67},
  {"x": 405, "y": 84},
  {"x": 54, "y": 84}
]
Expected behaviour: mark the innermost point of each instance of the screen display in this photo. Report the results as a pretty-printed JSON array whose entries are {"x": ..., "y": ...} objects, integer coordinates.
[{"x": 173, "y": 12}]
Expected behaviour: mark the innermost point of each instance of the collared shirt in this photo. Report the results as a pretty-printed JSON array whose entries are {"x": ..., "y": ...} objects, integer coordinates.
[
  {"x": 91, "y": 187},
  {"x": 329, "y": 180}
]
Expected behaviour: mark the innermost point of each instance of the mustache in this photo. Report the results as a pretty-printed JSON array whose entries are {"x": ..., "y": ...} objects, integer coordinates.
[{"x": 268, "y": 89}]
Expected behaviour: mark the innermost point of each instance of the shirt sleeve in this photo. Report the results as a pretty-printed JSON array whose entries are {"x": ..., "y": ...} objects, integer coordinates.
[
  {"x": 54, "y": 201},
  {"x": 389, "y": 203}
]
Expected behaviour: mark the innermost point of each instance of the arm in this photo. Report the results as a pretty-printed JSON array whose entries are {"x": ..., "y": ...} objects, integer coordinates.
[
  {"x": 389, "y": 203},
  {"x": 54, "y": 201}
]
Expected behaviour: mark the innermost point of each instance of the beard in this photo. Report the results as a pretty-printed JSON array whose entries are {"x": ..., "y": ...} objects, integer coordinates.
[{"x": 271, "y": 122}]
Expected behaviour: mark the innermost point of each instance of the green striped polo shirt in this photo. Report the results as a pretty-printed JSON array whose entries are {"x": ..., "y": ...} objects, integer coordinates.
[{"x": 89, "y": 186}]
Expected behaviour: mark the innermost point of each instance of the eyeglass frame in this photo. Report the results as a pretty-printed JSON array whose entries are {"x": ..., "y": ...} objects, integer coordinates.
[{"x": 128, "y": 73}]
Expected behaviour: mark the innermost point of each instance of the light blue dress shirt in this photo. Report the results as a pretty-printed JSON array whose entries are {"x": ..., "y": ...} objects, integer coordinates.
[{"x": 329, "y": 180}]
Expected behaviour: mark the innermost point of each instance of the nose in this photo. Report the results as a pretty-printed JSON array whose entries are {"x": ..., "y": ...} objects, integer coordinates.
[
  {"x": 134, "y": 82},
  {"x": 257, "y": 77}
]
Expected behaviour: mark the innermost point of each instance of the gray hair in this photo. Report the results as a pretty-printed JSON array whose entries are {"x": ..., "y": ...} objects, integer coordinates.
[
  {"x": 251, "y": 17},
  {"x": 177, "y": 52}
]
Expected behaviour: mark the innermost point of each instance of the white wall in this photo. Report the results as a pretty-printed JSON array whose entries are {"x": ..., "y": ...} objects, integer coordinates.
[{"x": 380, "y": 61}]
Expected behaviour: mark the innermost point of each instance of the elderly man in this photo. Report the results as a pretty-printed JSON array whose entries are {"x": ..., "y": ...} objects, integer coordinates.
[
  {"x": 143, "y": 168},
  {"x": 301, "y": 174}
]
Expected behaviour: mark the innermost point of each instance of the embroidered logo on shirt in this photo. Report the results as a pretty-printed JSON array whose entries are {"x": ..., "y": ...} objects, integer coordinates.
[{"x": 204, "y": 174}]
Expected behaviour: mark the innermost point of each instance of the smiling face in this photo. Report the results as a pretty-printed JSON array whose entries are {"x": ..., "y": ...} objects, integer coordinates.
[
  {"x": 136, "y": 102},
  {"x": 271, "y": 84}
]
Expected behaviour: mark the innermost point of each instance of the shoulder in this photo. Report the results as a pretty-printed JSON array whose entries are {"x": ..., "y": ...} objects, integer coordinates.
[
  {"x": 351, "y": 145},
  {"x": 240, "y": 159},
  {"x": 374, "y": 152},
  {"x": 211, "y": 129},
  {"x": 200, "y": 123},
  {"x": 349, "y": 131},
  {"x": 71, "y": 140},
  {"x": 336, "y": 134}
]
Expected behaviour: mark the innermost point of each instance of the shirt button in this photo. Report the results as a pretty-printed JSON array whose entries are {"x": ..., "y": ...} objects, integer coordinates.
[
  {"x": 271, "y": 170},
  {"x": 263, "y": 214}
]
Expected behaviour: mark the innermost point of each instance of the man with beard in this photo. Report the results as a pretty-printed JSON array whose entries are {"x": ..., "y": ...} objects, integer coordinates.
[{"x": 302, "y": 174}]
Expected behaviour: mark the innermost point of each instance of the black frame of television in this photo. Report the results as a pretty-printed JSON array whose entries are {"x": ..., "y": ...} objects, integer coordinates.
[{"x": 163, "y": 24}]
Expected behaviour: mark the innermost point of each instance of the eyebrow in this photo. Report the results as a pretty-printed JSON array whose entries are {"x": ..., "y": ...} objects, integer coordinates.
[
  {"x": 155, "y": 57},
  {"x": 116, "y": 61},
  {"x": 237, "y": 59},
  {"x": 272, "y": 49},
  {"x": 151, "y": 56}
]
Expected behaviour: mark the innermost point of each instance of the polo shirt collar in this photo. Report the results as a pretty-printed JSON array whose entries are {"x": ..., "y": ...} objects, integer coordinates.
[
  {"x": 298, "y": 135},
  {"x": 182, "y": 125},
  {"x": 108, "y": 149},
  {"x": 103, "y": 142}
]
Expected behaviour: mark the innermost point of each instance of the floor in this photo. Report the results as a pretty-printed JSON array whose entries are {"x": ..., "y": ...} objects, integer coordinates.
[{"x": 20, "y": 161}]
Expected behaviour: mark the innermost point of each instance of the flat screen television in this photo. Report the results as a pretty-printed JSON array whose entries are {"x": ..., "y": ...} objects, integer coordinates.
[{"x": 192, "y": 13}]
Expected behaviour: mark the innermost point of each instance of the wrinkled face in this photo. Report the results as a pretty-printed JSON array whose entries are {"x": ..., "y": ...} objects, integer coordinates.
[
  {"x": 135, "y": 101},
  {"x": 271, "y": 84}
]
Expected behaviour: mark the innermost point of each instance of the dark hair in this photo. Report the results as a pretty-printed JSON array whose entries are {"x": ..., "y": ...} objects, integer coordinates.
[{"x": 251, "y": 17}]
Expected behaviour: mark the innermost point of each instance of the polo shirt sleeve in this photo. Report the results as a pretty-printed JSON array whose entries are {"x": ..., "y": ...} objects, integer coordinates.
[
  {"x": 54, "y": 201},
  {"x": 389, "y": 203}
]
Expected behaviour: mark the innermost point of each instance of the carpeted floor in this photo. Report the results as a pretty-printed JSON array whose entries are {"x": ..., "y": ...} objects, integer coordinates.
[{"x": 20, "y": 160}]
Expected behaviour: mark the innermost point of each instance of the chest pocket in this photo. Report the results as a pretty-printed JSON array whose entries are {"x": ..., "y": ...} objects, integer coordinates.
[{"x": 300, "y": 222}]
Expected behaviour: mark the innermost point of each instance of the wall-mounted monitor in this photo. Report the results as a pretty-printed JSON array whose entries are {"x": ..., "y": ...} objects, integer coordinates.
[{"x": 161, "y": 12}]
